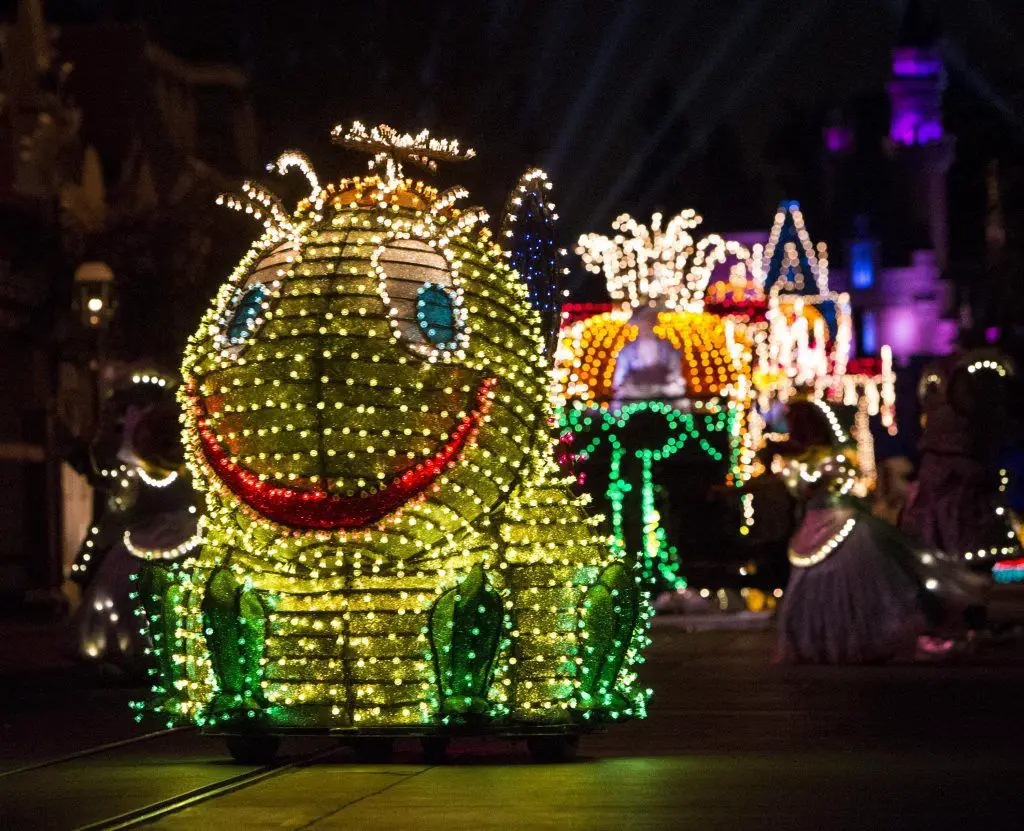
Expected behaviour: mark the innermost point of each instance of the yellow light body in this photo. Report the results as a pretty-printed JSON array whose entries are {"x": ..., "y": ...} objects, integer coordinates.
[{"x": 357, "y": 467}]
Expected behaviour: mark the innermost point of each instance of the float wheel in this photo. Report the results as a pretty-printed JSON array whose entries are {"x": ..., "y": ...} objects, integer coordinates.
[
  {"x": 373, "y": 749},
  {"x": 553, "y": 748},
  {"x": 253, "y": 749}
]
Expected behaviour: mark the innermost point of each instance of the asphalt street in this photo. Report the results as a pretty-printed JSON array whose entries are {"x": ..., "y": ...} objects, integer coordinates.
[{"x": 733, "y": 742}]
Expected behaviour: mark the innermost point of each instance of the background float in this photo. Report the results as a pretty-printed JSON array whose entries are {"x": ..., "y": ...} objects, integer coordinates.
[{"x": 752, "y": 327}]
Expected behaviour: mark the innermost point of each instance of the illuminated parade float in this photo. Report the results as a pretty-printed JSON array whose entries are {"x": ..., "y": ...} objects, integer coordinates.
[
  {"x": 388, "y": 546},
  {"x": 667, "y": 394}
]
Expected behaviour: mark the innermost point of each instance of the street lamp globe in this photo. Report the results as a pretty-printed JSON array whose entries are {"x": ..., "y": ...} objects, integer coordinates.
[{"x": 94, "y": 294}]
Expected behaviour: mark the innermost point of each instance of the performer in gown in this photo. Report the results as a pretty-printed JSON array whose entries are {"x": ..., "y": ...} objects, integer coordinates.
[
  {"x": 96, "y": 460},
  {"x": 858, "y": 591},
  {"x": 160, "y": 523},
  {"x": 115, "y": 484},
  {"x": 648, "y": 368},
  {"x": 960, "y": 504}
]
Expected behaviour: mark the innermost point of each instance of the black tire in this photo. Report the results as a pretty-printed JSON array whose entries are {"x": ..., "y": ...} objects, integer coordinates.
[
  {"x": 553, "y": 748},
  {"x": 254, "y": 749},
  {"x": 435, "y": 749},
  {"x": 373, "y": 749}
]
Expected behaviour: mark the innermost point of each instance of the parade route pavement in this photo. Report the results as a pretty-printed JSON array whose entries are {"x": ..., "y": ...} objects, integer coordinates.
[{"x": 732, "y": 742}]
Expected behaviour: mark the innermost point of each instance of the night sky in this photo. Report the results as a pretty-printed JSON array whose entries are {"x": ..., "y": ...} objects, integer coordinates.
[
  {"x": 615, "y": 99},
  {"x": 632, "y": 105}
]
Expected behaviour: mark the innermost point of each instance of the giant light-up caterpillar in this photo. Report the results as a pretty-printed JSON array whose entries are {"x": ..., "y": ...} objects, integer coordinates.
[{"x": 388, "y": 543}]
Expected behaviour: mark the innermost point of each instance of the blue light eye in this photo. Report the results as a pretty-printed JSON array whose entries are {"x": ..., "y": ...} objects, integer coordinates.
[
  {"x": 435, "y": 314},
  {"x": 247, "y": 309}
]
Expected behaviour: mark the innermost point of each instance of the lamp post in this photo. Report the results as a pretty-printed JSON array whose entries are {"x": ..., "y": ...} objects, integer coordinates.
[
  {"x": 95, "y": 302},
  {"x": 94, "y": 294}
]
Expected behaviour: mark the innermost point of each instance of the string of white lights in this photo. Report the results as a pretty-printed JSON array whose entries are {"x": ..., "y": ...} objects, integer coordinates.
[
  {"x": 155, "y": 481},
  {"x": 162, "y": 553},
  {"x": 836, "y": 540}
]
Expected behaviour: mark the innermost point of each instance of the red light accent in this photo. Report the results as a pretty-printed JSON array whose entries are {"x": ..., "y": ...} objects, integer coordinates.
[
  {"x": 752, "y": 311},
  {"x": 319, "y": 509},
  {"x": 1009, "y": 565},
  {"x": 864, "y": 365},
  {"x": 572, "y": 312}
]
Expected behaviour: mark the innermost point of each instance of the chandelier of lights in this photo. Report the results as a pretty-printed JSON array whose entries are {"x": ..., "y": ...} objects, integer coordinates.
[{"x": 663, "y": 263}]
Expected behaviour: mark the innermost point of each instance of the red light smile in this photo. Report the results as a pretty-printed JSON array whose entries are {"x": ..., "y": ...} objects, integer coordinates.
[{"x": 321, "y": 510}]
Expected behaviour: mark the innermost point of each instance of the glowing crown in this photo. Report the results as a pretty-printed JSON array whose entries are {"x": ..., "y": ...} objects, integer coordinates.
[{"x": 660, "y": 264}]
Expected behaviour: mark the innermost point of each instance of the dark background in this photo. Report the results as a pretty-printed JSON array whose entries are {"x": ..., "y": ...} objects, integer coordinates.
[{"x": 628, "y": 105}]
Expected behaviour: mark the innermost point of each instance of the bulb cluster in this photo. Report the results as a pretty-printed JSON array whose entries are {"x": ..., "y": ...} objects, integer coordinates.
[
  {"x": 171, "y": 553},
  {"x": 124, "y": 486},
  {"x": 771, "y": 328},
  {"x": 586, "y": 359},
  {"x": 990, "y": 365},
  {"x": 531, "y": 214},
  {"x": 655, "y": 264},
  {"x": 747, "y": 502},
  {"x": 1007, "y": 519},
  {"x": 149, "y": 378},
  {"x": 157, "y": 481},
  {"x": 711, "y": 430},
  {"x": 791, "y": 262}
]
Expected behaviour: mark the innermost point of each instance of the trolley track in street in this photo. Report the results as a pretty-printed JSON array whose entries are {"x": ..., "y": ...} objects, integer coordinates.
[
  {"x": 146, "y": 814},
  {"x": 90, "y": 751},
  {"x": 120, "y": 784}
]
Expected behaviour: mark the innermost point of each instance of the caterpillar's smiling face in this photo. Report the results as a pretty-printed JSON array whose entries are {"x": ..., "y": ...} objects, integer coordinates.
[{"x": 355, "y": 363}]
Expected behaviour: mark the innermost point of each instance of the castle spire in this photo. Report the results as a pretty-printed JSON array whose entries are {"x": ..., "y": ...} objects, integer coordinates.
[{"x": 918, "y": 79}]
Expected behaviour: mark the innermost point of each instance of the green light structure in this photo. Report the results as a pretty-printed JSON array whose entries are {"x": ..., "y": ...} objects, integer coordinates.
[{"x": 635, "y": 451}]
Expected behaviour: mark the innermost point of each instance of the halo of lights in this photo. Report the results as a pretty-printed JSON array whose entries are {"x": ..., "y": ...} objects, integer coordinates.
[{"x": 659, "y": 263}]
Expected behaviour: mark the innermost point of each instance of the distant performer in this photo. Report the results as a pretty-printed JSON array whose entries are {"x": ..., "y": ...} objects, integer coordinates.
[
  {"x": 115, "y": 483},
  {"x": 648, "y": 368},
  {"x": 859, "y": 591},
  {"x": 965, "y": 489},
  {"x": 160, "y": 524}
]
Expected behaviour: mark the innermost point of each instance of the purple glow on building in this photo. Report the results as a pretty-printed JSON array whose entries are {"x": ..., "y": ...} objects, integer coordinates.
[
  {"x": 909, "y": 330},
  {"x": 944, "y": 338},
  {"x": 901, "y": 330},
  {"x": 838, "y": 139},
  {"x": 909, "y": 316},
  {"x": 913, "y": 126},
  {"x": 909, "y": 64},
  {"x": 902, "y": 131},
  {"x": 992, "y": 334},
  {"x": 916, "y": 96},
  {"x": 929, "y": 131}
]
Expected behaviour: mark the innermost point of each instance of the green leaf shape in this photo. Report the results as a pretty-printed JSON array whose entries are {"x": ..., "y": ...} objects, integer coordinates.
[
  {"x": 236, "y": 632},
  {"x": 465, "y": 630},
  {"x": 612, "y": 611},
  {"x": 160, "y": 594}
]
